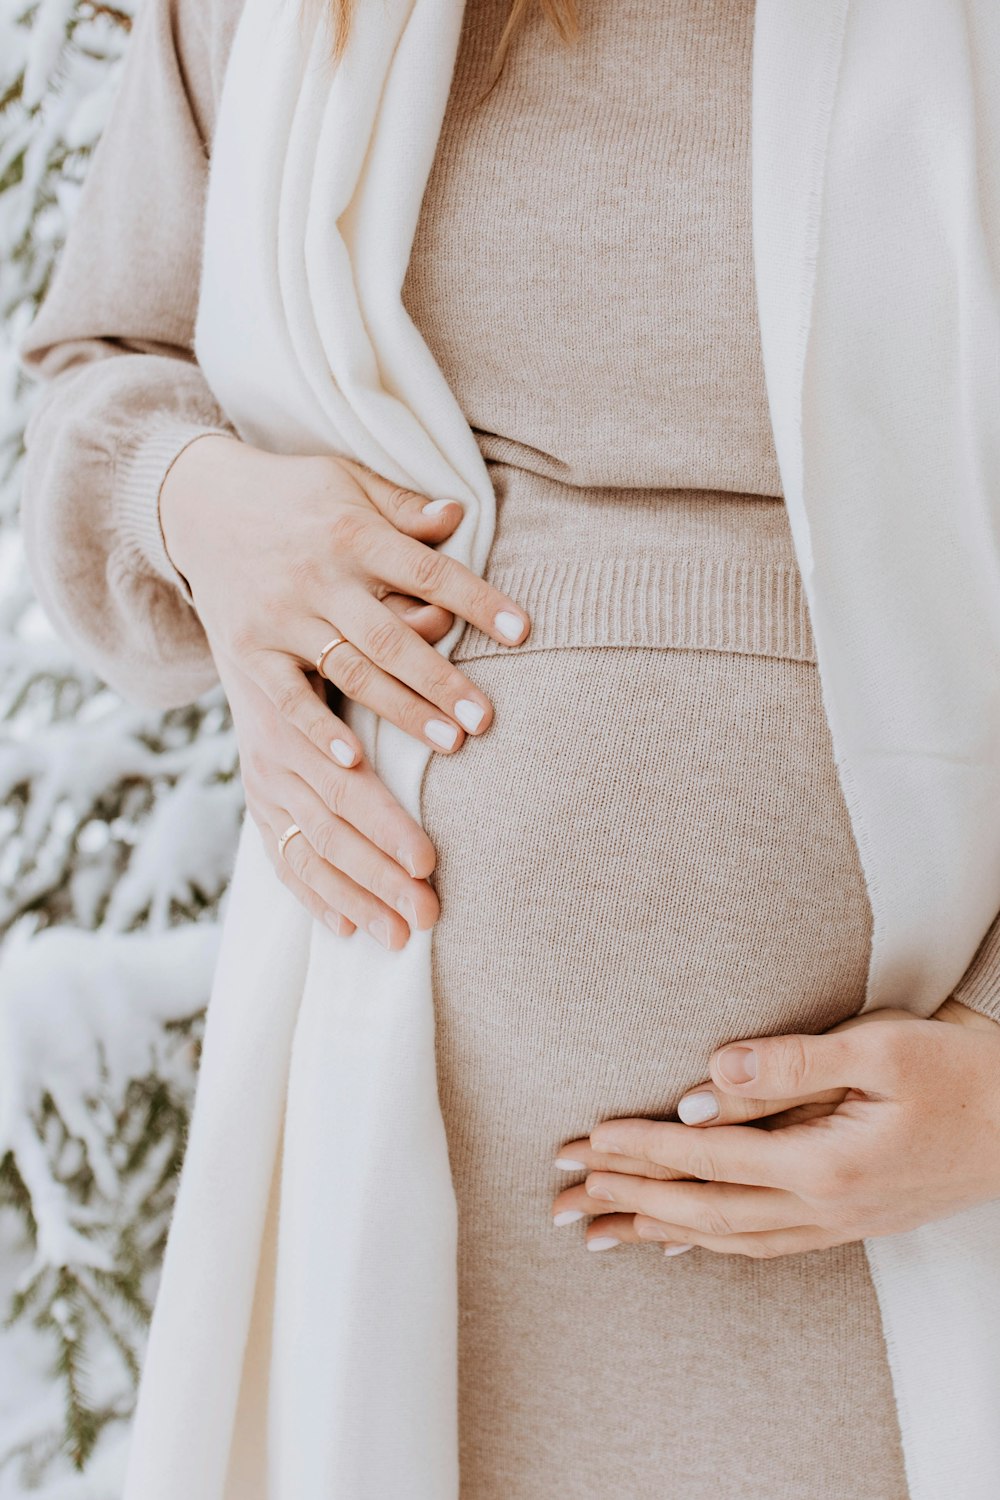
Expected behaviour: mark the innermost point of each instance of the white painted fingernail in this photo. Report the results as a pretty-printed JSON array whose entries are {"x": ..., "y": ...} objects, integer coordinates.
[
  {"x": 343, "y": 752},
  {"x": 435, "y": 507},
  {"x": 406, "y": 862},
  {"x": 676, "y": 1249},
  {"x": 697, "y": 1108},
  {"x": 470, "y": 715},
  {"x": 603, "y": 1242},
  {"x": 565, "y": 1164},
  {"x": 442, "y": 734},
  {"x": 510, "y": 626},
  {"x": 379, "y": 930},
  {"x": 568, "y": 1216}
]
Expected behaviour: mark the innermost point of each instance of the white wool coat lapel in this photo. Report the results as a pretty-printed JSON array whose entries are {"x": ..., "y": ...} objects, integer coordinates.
[{"x": 303, "y": 1343}]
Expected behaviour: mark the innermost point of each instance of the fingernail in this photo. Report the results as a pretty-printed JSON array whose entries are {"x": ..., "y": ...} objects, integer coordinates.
[
  {"x": 606, "y": 1149},
  {"x": 442, "y": 734},
  {"x": 695, "y": 1109},
  {"x": 406, "y": 861},
  {"x": 379, "y": 930},
  {"x": 470, "y": 715},
  {"x": 565, "y": 1164},
  {"x": 651, "y": 1232},
  {"x": 332, "y": 920},
  {"x": 600, "y": 1192},
  {"x": 409, "y": 911},
  {"x": 343, "y": 752},
  {"x": 435, "y": 507},
  {"x": 510, "y": 626},
  {"x": 568, "y": 1216},
  {"x": 676, "y": 1249},
  {"x": 738, "y": 1064},
  {"x": 602, "y": 1242}
]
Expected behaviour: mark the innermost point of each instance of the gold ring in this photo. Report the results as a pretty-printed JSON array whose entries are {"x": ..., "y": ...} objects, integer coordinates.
[
  {"x": 289, "y": 833},
  {"x": 338, "y": 640}
]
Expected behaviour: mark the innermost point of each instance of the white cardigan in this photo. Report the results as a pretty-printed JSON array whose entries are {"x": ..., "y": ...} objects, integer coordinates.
[{"x": 309, "y": 1354}]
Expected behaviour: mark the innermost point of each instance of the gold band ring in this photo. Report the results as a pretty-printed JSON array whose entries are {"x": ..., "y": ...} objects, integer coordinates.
[
  {"x": 289, "y": 833},
  {"x": 338, "y": 640}
]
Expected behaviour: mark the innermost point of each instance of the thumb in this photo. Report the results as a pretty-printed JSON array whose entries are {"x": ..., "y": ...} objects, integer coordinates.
[
  {"x": 427, "y": 518},
  {"x": 796, "y": 1066}
]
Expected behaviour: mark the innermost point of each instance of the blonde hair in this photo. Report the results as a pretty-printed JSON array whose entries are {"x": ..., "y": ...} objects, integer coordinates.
[{"x": 563, "y": 15}]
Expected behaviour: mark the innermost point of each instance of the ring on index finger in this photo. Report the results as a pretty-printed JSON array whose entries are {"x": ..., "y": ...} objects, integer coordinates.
[{"x": 331, "y": 645}]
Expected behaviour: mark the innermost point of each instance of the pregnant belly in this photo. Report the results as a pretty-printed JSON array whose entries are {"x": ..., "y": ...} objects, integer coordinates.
[{"x": 646, "y": 856}]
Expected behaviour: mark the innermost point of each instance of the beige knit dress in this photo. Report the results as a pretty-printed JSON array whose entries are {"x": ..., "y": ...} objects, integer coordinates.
[{"x": 648, "y": 854}]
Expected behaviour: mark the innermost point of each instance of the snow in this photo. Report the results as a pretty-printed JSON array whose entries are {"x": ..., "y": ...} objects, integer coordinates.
[{"x": 118, "y": 828}]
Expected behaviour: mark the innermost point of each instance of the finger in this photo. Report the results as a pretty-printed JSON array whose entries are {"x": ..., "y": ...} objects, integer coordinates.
[
  {"x": 710, "y": 1207},
  {"x": 610, "y": 1232},
  {"x": 398, "y": 651},
  {"x": 708, "y": 1105},
  {"x": 363, "y": 800},
  {"x": 430, "y": 621},
  {"x": 310, "y": 899},
  {"x": 347, "y": 850},
  {"x": 765, "y": 1245},
  {"x": 359, "y": 677},
  {"x": 439, "y": 579},
  {"x": 337, "y": 891},
  {"x": 574, "y": 1204},
  {"x": 426, "y": 517},
  {"x": 288, "y": 688},
  {"x": 734, "y": 1153},
  {"x": 580, "y": 1156},
  {"x": 800, "y": 1066}
]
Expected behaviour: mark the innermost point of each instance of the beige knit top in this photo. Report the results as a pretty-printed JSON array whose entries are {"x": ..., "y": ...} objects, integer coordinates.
[{"x": 593, "y": 214}]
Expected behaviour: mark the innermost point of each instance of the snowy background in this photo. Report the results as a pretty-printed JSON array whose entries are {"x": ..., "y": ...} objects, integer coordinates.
[{"x": 117, "y": 831}]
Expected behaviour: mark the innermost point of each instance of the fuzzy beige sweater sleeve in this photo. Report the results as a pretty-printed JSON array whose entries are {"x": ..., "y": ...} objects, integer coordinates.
[{"x": 121, "y": 394}]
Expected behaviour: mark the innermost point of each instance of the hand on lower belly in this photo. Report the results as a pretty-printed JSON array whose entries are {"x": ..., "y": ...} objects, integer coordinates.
[{"x": 885, "y": 1122}]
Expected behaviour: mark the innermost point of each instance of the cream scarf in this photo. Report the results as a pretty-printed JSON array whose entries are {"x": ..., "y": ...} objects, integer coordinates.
[{"x": 303, "y": 1345}]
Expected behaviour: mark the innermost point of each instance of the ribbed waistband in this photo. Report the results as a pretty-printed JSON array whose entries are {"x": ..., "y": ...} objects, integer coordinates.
[{"x": 681, "y": 569}]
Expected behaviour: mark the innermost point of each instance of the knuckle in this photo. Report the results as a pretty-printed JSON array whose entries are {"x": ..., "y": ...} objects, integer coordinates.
[
  {"x": 713, "y": 1221},
  {"x": 350, "y": 532},
  {"x": 303, "y": 575},
  {"x": 835, "y": 1179},
  {"x": 331, "y": 791},
  {"x": 354, "y": 673},
  {"x": 244, "y": 639},
  {"x": 430, "y": 570},
  {"x": 794, "y": 1067},
  {"x": 701, "y": 1166},
  {"x": 326, "y": 841},
  {"x": 287, "y": 696},
  {"x": 763, "y": 1249},
  {"x": 384, "y": 642},
  {"x": 397, "y": 499}
]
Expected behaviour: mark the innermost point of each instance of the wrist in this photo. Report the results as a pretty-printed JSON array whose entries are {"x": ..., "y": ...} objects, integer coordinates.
[{"x": 185, "y": 483}]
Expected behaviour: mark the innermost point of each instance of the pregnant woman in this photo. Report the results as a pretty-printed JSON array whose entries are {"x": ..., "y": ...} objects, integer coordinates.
[{"x": 630, "y": 845}]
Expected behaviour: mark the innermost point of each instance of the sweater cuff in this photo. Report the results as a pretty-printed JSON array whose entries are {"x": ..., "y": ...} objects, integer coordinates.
[
  {"x": 141, "y": 463},
  {"x": 979, "y": 986}
]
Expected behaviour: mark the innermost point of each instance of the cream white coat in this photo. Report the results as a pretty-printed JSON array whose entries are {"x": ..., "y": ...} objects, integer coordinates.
[{"x": 303, "y": 1345}]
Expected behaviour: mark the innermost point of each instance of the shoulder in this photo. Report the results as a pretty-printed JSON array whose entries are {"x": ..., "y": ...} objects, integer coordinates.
[{"x": 200, "y": 34}]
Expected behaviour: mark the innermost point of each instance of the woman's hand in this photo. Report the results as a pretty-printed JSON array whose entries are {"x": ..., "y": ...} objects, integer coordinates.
[
  {"x": 281, "y": 552},
  {"x": 914, "y": 1136},
  {"x": 361, "y": 860},
  {"x": 347, "y": 552}
]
